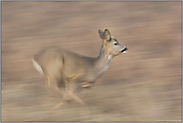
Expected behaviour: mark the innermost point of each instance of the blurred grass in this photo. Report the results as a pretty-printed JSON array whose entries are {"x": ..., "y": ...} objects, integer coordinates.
[{"x": 142, "y": 85}]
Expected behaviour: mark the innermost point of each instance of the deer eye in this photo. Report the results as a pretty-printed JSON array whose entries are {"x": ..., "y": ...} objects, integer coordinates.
[{"x": 115, "y": 43}]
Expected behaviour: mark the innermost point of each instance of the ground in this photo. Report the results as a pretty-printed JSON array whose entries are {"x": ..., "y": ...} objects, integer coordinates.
[{"x": 142, "y": 85}]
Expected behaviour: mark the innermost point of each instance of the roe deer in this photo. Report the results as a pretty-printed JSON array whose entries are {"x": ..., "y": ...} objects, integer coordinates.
[{"x": 65, "y": 69}]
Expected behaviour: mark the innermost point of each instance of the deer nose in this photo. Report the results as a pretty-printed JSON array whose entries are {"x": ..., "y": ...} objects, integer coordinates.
[{"x": 124, "y": 50}]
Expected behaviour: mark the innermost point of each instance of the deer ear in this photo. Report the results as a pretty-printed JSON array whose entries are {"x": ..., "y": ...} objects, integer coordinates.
[
  {"x": 101, "y": 33},
  {"x": 107, "y": 35}
]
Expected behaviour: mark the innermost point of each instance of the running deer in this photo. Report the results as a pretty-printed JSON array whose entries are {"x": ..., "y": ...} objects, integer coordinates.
[{"x": 67, "y": 70}]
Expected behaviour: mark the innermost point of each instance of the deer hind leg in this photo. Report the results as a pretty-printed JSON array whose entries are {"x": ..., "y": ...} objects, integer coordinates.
[
  {"x": 70, "y": 87},
  {"x": 75, "y": 88},
  {"x": 61, "y": 87},
  {"x": 56, "y": 86},
  {"x": 67, "y": 87}
]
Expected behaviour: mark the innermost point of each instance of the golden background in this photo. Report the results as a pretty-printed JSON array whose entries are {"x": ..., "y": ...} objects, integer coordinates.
[{"x": 142, "y": 85}]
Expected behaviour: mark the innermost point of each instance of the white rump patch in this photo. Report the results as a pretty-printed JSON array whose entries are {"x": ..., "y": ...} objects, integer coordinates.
[{"x": 37, "y": 67}]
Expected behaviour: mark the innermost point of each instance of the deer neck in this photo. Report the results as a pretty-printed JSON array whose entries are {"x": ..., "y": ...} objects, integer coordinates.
[{"x": 103, "y": 60}]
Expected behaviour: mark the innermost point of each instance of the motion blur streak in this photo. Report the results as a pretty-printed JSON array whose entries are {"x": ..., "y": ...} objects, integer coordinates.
[{"x": 142, "y": 85}]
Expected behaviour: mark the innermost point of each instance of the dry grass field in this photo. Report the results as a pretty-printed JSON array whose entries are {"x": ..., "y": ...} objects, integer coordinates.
[{"x": 142, "y": 85}]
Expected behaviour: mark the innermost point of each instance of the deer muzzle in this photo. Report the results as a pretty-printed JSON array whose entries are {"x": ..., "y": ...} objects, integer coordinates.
[{"x": 124, "y": 50}]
